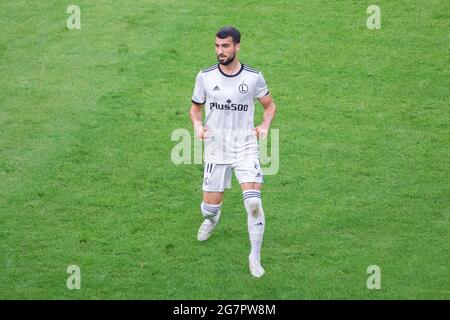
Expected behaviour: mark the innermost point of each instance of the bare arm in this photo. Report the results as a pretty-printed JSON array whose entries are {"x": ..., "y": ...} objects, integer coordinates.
[
  {"x": 196, "y": 118},
  {"x": 269, "y": 114}
]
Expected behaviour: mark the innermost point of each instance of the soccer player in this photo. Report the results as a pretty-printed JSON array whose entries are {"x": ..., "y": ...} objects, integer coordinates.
[{"x": 228, "y": 91}]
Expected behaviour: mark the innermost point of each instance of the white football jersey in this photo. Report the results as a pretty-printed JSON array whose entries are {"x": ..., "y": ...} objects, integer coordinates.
[{"x": 229, "y": 108}]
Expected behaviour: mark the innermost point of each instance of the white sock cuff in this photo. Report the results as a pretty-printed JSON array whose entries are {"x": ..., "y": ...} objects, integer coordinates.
[
  {"x": 210, "y": 208},
  {"x": 251, "y": 193}
]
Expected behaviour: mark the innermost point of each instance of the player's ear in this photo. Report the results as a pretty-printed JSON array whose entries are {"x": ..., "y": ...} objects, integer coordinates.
[{"x": 238, "y": 46}]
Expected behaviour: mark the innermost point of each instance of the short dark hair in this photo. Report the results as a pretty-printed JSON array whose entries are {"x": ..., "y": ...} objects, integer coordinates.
[{"x": 229, "y": 31}]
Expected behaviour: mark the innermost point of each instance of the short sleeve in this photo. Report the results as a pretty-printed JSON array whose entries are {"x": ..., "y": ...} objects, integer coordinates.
[
  {"x": 199, "y": 95},
  {"x": 261, "y": 89}
]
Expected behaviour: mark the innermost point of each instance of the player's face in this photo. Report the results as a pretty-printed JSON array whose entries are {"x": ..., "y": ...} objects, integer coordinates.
[{"x": 226, "y": 50}]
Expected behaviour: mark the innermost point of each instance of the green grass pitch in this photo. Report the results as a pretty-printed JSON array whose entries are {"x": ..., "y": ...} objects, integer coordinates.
[{"x": 86, "y": 176}]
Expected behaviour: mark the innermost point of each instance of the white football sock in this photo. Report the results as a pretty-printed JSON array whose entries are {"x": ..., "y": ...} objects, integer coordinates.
[
  {"x": 255, "y": 220},
  {"x": 211, "y": 211}
]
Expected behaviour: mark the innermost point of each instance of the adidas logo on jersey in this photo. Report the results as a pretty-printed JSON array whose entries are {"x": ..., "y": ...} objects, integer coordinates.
[{"x": 216, "y": 88}]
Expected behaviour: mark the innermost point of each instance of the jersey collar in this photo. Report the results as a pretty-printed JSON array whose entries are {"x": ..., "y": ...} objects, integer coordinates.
[{"x": 231, "y": 76}]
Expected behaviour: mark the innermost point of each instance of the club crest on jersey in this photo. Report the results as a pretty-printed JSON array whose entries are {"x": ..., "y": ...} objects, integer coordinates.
[
  {"x": 228, "y": 106},
  {"x": 243, "y": 88}
]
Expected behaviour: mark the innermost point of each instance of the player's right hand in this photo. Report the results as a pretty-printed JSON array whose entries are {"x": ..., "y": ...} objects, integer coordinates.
[{"x": 202, "y": 133}]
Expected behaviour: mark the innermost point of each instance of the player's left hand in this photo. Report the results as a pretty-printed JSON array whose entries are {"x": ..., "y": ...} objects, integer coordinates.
[{"x": 261, "y": 131}]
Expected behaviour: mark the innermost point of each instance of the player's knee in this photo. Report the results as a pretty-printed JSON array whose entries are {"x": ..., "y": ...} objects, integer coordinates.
[
  {"x": 210, "y": 210},
  {"x": 253, "y": 203},
  {"x": 252, "y": 197}
]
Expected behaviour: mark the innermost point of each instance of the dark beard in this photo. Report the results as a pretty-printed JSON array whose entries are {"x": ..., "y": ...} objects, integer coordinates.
[{"x": 227, "y": 62}]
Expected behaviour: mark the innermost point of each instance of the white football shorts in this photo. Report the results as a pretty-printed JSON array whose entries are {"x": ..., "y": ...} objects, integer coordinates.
[{"x": 217, "y": 177}]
